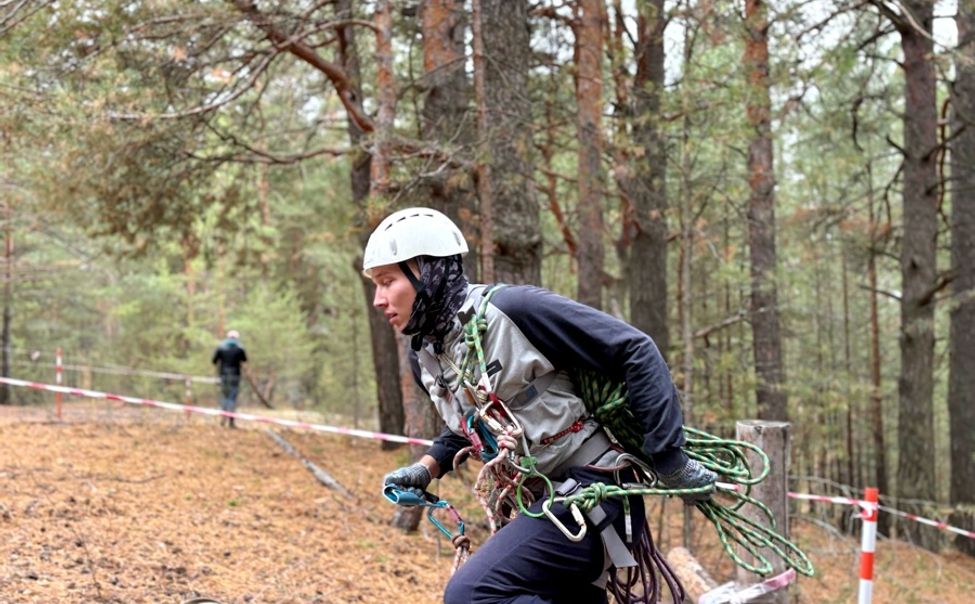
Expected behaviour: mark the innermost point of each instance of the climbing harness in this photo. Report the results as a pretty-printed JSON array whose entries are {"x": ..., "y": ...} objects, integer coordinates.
[{"x": 509, "y": 482}]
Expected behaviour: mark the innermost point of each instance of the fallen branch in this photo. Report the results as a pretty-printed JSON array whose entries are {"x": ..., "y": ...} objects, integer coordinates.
[
  {"x": 695, "y": 579},
  {"x": 321, "y": 475},
  {"x": 257, "y": 391}
]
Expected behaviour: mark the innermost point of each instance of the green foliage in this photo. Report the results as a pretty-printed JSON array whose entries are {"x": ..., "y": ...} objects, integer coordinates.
[{"x": 273, "y": 333}]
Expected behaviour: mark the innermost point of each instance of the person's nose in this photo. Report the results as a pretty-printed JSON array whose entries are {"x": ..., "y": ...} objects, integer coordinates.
[{"x": 379, "y": 299}]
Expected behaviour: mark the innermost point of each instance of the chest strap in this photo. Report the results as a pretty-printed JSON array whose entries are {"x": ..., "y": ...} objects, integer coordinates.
[{"x": 522, "y": 398}]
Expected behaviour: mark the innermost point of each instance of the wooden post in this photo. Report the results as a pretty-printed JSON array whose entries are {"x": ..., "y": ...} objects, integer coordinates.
[
  {"x": 58, "y": 368},
  {"x": 773, "y": 438},
  {"x": 187, "y": 394}
]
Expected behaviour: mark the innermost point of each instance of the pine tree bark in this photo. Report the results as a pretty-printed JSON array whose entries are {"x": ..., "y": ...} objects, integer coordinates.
[
  {"x": 6, "y": 391},
  {"x": 766, "y": 335},
  {"x": 876, "y": 387},
  {"x": 916, "y": 468},
  {"x": 588, "y": 28},
  {"x": 515, "y": 245},
  {"x": 647, "y": 267},
  {"x": 446, "y": 119},
  {"x": 961, "y": 379},
  {"x": 384, "y": 352}
]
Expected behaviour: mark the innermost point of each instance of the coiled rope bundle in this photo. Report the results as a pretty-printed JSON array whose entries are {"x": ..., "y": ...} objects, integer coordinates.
[{"x": 607, "y": 402}]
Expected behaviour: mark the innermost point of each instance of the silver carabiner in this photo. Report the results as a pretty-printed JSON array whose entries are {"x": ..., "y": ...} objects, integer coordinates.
[
  {"x": 639, "y": 466},
  {"x": 576, "y": 514}
]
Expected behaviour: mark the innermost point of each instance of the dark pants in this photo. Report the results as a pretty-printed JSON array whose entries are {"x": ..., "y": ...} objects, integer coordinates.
[
  {"x": 229, "y": 387},
  {"x": 530, "y": 561}
]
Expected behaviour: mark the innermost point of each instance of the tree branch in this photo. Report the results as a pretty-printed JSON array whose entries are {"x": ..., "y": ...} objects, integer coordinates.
[
  {"x": 248, "y": 85},
  {"x": 10, "y": 19},
  {"x": 337, "y": 75},
  {"x": 942, "y": 282},
  {"x": 883, "y": 292},
  {"x": 704, "y": 332}
]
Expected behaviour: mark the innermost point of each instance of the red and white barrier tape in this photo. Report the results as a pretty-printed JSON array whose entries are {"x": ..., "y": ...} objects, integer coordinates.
[
  {"x": 726, "y": 594},
  {"x": 119, "y": 370},
  {"x": 866, "y": 506},
  {"x": 217, "y": 412},
  {"x": 165, "y": 375},
  {"x": 935, "y": 523}
]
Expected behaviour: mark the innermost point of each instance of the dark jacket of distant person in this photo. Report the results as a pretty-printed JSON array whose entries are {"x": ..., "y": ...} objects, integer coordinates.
[{"x": 229, "y": 355}]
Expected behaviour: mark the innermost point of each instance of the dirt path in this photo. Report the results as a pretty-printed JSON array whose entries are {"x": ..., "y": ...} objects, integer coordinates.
[
  {"x": 132, "y": 509},
  {"x": 126, "y": 505}
]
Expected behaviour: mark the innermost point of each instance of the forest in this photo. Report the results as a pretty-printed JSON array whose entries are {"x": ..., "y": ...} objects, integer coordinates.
[{"x": 782, "y": 194}]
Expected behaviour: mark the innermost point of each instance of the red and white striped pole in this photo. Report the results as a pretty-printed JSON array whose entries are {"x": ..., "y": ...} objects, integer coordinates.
[
  {"x": 868, "y": 542},
  {"x": 58, "y": 369}
]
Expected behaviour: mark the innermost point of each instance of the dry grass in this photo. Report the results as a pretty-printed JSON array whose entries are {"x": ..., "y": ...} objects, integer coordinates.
[{"x": 137, "y": 505}]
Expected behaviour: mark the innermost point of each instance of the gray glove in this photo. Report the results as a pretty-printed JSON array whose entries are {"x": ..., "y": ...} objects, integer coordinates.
[
  {"x": 690, "y": 476},
  {"x": 414, "y": 478}
]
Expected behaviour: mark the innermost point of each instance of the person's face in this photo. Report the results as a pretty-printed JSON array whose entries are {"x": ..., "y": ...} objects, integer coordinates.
[{"x": 394, "y": 294}]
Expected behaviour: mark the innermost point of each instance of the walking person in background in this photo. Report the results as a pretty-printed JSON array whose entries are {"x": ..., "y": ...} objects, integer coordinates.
[{"x": 229, "y": 358}]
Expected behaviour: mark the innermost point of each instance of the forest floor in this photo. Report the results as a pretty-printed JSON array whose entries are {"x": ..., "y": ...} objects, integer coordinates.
[{"x": 129, "y": 505}]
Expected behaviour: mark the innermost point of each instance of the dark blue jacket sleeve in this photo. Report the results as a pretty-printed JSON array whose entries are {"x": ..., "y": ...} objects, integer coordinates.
[
  {"x": 572, "y": 335},
  {"x": 447, "y": 444}
]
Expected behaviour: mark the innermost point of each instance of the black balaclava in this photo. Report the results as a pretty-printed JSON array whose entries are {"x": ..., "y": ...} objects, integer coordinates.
[{"x": 440, "y": 292}]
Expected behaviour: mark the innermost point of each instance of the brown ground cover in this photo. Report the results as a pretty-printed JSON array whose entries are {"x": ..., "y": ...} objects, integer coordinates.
[{"x": 128, "y": 505}]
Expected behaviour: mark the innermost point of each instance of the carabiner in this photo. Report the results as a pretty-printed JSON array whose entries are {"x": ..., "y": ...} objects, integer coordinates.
[{"x": 576, "y": 515}]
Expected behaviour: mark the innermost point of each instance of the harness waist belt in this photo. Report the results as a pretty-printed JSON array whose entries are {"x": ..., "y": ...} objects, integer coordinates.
[{"x": 590, "y": 452}]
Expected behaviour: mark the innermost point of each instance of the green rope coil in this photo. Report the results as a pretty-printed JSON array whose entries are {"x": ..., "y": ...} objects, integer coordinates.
[{"x": 607, "y": 402}]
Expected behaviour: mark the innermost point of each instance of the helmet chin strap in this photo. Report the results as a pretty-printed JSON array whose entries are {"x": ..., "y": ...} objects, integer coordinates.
[{"x": 405, "y": 267}]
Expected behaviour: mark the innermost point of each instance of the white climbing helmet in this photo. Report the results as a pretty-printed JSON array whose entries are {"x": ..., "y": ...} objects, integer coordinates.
[{"x": 410, "y": 233}]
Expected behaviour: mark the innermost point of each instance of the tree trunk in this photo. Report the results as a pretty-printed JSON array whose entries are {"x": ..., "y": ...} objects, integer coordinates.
[
  {"x": 444, "y": 122},
  {"x": 445, "y": 116},
  {"x": 647, "y": 265},
  {"x": 589, "y": 104},
  {"x": 684, "y": 297},
  {"x": 418, "y": 421},
  {"x": 961, "y": 379},
  {"x": 851, "y": 439},
  {"x": 384, "y": 355},
  {"x": 916, "y": 467},
  {"x": 6, "y": 391},
  {"x": 386, "y": 100},
  {"x": 505, "y": 140},
  {"x": 767, "y": 340},
  {"x": 876, "y": 389}
]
